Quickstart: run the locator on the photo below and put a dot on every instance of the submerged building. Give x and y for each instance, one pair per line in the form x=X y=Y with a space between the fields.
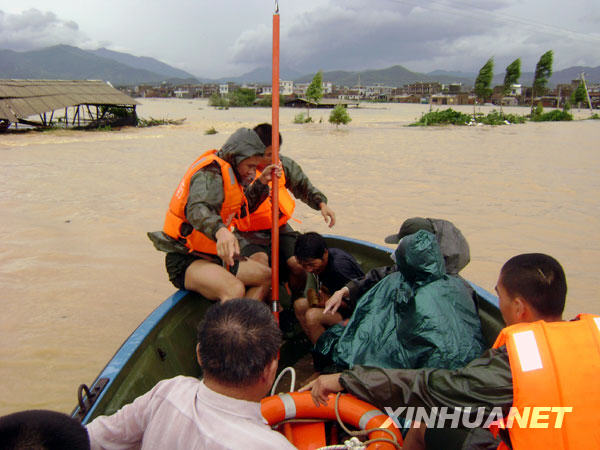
x=68 y=103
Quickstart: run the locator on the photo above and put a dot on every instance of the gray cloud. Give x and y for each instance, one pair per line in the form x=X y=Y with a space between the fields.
x=321 y=34
x=448 y=34
x=33 y=29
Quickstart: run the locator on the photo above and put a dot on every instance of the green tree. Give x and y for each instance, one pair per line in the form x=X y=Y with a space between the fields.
x=579 y=95
x=267 y=100
x=314 y=92
x=483 y=91
x=299 y=118
x=218 y=101
x=512 y=75
x=242 y=97
x=339 y=115
x=543 y=72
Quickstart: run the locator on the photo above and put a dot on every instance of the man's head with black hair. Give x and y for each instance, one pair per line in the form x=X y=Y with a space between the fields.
x=42 y=430
x=311 y=252
x=264 y=132
x=237 y=340
x=536 y=279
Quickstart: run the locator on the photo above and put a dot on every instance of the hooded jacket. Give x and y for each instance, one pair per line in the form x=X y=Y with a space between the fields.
x=206 y=194
x=416 y=317
x=454 y=248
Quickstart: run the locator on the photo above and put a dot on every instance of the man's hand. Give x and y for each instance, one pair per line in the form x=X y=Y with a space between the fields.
x=322 y=387
x=227 y=245
x=267 y=173
x=335 y=301
x=328 y=214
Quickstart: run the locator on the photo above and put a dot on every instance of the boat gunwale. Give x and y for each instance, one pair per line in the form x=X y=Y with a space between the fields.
x=129 y=347
x=123 y=355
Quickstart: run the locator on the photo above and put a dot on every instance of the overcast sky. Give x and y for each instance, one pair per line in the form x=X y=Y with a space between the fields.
x=228 y=38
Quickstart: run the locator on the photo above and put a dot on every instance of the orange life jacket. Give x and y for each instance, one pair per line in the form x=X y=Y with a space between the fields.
x=233 y=202
x=555 y=365
x=262 y=217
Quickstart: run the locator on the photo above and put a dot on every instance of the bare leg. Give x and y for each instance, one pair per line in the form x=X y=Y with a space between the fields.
x=297 y=279
x=256 y=277
x=212 y=281
x=300 y=307
x=260 y=293
x=316 y=321
x=260 y=257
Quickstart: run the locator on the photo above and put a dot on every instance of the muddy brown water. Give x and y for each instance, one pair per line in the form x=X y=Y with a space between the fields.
x=77 y=273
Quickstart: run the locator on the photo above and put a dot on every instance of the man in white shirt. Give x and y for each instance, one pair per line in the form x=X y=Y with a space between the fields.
x=238 y=343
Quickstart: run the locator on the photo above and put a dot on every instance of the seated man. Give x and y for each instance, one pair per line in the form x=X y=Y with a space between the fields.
x=453 y=244
x=417 y=316
x=331 y=268
x=538 y=360
x=203 y=254
x=42 y=430
x=255 y=237
x=454 y=247
x=238 y=344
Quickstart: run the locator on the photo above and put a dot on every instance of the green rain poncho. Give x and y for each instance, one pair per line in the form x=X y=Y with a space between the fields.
x=416 y=317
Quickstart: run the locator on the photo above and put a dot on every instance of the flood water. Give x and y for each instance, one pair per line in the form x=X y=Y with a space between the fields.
x=78 y=274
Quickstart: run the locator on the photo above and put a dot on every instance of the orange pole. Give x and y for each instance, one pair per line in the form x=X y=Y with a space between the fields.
x=275 y=160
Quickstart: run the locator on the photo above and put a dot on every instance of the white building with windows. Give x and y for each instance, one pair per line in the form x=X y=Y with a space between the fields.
x=286 y=87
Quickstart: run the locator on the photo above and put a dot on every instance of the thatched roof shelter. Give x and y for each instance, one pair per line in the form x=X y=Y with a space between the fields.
x=20 y=99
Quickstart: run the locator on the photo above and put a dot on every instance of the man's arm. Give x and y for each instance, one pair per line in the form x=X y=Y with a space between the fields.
x=203 y=212
x=301 y=187
x=299 y=184
x=125 y=428
x=206 y=197
x=258 y=191
x=486 y=382
x=359 y=286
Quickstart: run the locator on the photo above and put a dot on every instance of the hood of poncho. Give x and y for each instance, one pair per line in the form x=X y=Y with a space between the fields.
x=419 y=258
x=453 y=245
x=241 y=145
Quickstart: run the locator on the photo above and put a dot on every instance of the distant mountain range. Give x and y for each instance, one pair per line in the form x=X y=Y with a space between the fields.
x=391 y=76
x=122 y=69
x=64 y=62
x=144 y=63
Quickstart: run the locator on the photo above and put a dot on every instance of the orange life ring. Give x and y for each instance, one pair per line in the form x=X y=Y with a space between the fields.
x=362 y=415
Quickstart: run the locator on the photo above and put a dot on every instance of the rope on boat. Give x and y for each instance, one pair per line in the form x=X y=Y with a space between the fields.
x=392 y=441
x=278 y=379
x=349 y=444
x=352 y=443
